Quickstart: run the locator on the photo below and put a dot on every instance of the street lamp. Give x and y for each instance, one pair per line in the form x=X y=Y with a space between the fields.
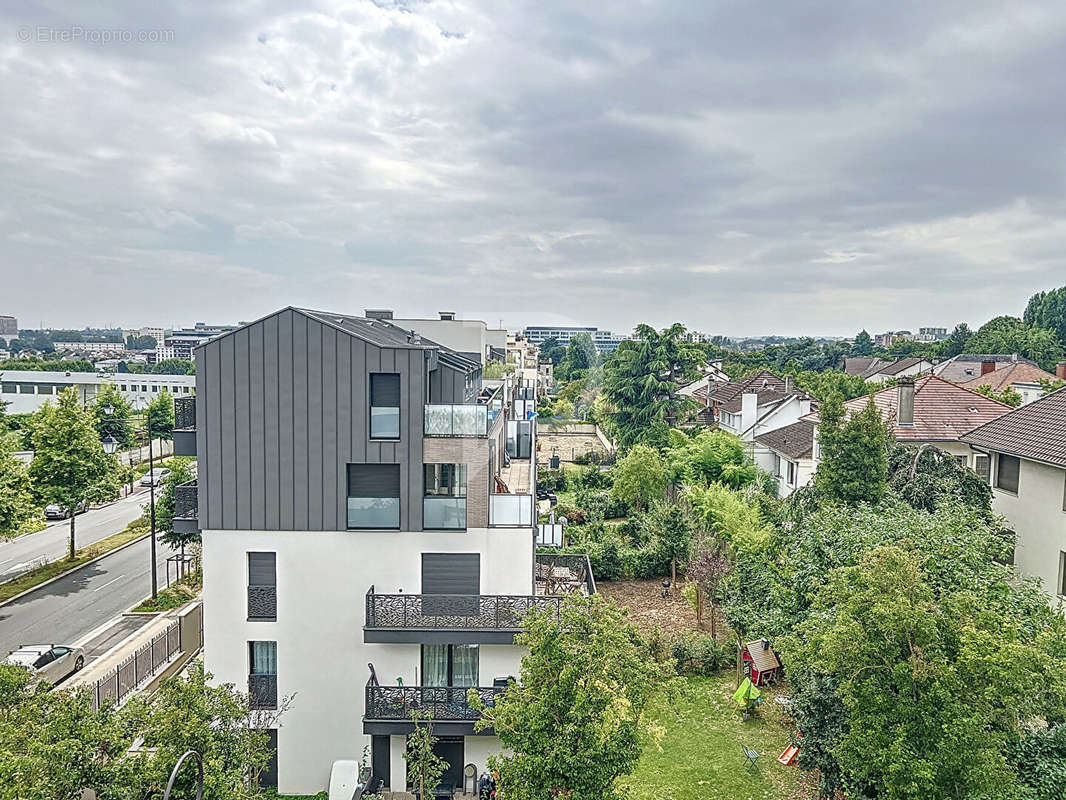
x=110 y=444
x=141 y=404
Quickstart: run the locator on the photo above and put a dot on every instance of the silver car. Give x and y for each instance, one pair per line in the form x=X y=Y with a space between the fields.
x=48 y=662
x=156 y=476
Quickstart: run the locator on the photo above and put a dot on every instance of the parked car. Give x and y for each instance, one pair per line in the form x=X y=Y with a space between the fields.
x=56 y=511
x=48 y=662
x=155 y=477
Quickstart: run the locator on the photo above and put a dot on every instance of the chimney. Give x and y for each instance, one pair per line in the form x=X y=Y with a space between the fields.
x=1060 y=371
x=988 y=366
x=446 y=316
x=765 y=644
x=788 y=384
x=905 y=405
x=378 y=313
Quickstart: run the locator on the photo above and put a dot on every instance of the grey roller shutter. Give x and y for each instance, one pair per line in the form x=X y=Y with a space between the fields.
x=373 y=480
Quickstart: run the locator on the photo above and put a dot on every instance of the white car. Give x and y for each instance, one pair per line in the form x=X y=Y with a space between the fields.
x=48 y=662
x=155 y=477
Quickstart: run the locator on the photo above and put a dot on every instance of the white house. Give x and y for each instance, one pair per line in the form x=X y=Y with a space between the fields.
x=26 y=391
x=1027 y=450
x=788 y=454
x=1025 y=378
x=878 y=370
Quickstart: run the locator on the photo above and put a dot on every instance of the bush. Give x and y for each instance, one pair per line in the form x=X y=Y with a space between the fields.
x=552 y=480
x=594 y=504
x=645 y=563
x=591 y=457
x=592 y=478
x=573 y=514
x=701 y=654
x=604 y=558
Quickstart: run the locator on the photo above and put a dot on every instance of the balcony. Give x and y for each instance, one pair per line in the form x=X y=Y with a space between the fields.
x=388 y=708
x=456 y=420
x=444 y=513
x=448 y=618
x=564 y=573
x=186 y=508
x=511 y=510
x=262 y=692
x=185 y=426
x=262 y=603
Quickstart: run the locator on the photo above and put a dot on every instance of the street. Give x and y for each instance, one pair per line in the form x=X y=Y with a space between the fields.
x=64 y=611
x=31 y=550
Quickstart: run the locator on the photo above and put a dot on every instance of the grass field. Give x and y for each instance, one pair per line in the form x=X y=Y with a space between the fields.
x=700 y=756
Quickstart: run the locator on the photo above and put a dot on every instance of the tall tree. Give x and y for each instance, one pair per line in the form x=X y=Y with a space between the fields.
x=117 y=423
x=853 y=465
x=552 y=350
x=69 y=466
x=957 y=342
x=180 y=472
x=573 y=724
x=864 y=345
x=640 y=478
x=581 y=356
x=161 y=416
x=16 y=500
x=642 y=379
x=1006 y=334
x=1048 y=310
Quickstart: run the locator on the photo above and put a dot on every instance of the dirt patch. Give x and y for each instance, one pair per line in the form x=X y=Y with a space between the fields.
x=647 y=608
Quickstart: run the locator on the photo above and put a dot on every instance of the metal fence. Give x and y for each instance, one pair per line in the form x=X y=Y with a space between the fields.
x=452 y=611
x=143 y=664
x=184 y=413
x=185 y=500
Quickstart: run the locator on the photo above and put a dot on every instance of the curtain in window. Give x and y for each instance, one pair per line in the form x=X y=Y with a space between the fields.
x=434 y=665
x=264 y=658
x=464 y=665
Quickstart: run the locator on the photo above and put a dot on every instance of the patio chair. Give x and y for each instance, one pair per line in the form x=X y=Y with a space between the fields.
x=751 y=756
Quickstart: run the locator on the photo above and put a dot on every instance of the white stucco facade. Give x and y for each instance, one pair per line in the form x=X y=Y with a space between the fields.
x=26 y=391
x=322 y=579
x=1036 y=514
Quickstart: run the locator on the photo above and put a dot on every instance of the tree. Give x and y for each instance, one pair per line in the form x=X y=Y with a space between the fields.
x=853 y=467
x=672 y=530
x=711 y=457
x=180 y=472
x=581 y=355
x=16 y=499
x=575 y=722
x=161 y=416
x=642 y=378
x=173 y=366
x=956 y=342
x=1011 y=335
x=424 y=767
x=552 y=350
x=1048 y=310
x=1008 y=396
x=864 y=345
x=927 y=478
x=932 y=683
x=69 y=466
x=708 y=565
x=116 y=424
x=640 y=477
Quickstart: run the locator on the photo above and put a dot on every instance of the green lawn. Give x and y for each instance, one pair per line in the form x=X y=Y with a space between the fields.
x=700 y=756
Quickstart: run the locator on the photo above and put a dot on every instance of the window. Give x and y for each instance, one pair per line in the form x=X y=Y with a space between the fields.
x=262 y=587
x=963 y=461
x=451 y=584
x=981 y=467
x=8 y=388
x=155 y=387
x=453 y=665
x=791 y=473
x=444 y=502
x=144 y=387
x=26 y=388
x=1062 y=573
x=777 y=465
x=374 y=496
x=1064 y=494
x=122 y=387
x=46 y=389
x=263 y=675
x=1007 y=469
x=384 y=405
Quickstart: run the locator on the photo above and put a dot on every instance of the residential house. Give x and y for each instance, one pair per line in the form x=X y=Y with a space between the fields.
x=967 y=366
x=1027 y=452
x=878 y=370
x=789 y=455
x=757 y=404
x=359 y=507
x=1022 y=376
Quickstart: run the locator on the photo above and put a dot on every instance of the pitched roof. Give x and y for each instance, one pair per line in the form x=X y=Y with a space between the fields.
x=794 y=441
x=966 y=366
x=899 y=366
x=1020 y=372
x=763 y=379
x=943 y=411
x=762 y=659
x=860 y=365
x=1036 y=431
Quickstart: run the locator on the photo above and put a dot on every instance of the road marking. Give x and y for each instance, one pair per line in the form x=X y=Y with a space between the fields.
x=98 y=588
x=4 y=562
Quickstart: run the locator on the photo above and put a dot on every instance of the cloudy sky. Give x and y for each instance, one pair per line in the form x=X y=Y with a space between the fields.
x=745 y=167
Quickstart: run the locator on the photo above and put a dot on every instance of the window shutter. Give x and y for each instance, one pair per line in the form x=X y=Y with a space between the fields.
x=373 y=480
x=451 y=573
x=262 y=569
x=385 y=390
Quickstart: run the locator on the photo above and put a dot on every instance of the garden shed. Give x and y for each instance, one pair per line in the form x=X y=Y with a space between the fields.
x=760 y=662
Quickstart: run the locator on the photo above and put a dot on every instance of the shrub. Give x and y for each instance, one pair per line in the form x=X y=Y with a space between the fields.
x=605 y=560
x=594 y=504
x=591 y=457
x=573 y=514
x=592 y=478
x=552 y=480
x=700 y=654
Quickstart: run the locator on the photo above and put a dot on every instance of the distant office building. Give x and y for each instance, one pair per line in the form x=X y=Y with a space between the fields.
x=180 y=343
x=159 y=334
x=889 y=338
x=931 y=334
x=26 y=391
x=605 y=341
x=91 y=348
x=9 y=329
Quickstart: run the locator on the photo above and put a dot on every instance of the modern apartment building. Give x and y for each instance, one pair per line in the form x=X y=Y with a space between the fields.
x=25 y=391
x=605 y=341
x=471 y=337
x=368 y=537
x=9 y=329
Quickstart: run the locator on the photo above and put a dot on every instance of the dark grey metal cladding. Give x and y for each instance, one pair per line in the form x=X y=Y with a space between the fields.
x=283 y=409
x=184 y=442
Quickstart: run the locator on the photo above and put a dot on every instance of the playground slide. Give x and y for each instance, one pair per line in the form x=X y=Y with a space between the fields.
x=789 y=755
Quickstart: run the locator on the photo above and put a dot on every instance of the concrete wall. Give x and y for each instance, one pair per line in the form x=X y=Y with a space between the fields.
x=322 y=580
x=1036 y=515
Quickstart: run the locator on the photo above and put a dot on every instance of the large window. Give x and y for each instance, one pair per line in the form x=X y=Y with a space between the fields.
x=384 y=405
x=1007 y=469
x=262 y=587
x=444 y=504
x=450 y=665
x=374 y=496
x=263 y=674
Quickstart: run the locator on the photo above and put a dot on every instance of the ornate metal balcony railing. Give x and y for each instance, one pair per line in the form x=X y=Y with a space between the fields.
x=445 y=703
x=564 y=573
x=185 y=502
x=184 y=413
x=491 y=612
x=262 y=692
x=262 y=602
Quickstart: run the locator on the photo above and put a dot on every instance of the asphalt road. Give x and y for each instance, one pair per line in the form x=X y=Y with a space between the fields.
x=25 y=552
x=65 y=611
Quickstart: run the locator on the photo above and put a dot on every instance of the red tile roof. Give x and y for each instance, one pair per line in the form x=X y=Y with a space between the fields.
x=1020 y=372
x=1036 y=431
x=943 y=411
